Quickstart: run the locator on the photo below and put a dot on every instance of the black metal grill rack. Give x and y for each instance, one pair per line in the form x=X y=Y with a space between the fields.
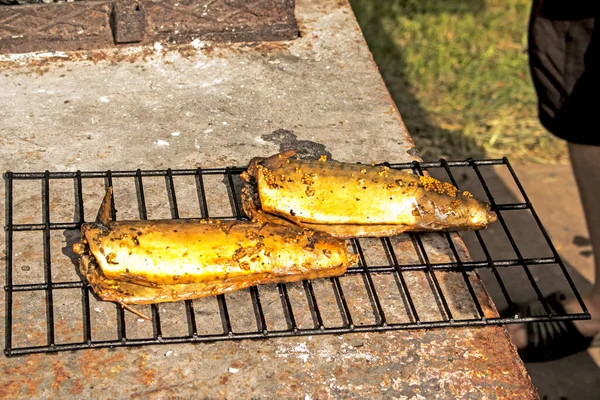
x=85 y=337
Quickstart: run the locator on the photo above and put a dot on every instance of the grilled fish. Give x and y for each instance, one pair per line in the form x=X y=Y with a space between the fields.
x=353 y=200
x=153 y=261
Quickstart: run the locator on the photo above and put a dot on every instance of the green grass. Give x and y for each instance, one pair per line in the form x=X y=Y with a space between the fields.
x=457 y=69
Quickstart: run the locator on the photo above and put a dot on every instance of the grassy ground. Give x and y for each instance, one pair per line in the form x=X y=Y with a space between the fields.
x=458 y=72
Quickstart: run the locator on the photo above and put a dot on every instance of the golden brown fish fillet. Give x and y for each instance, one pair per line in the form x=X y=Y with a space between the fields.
x=153 y=261
x=353 y=200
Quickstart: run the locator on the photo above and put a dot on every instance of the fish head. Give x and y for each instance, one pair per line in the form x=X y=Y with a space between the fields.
x=453 y=213
x=479 y=214
x=468 y=213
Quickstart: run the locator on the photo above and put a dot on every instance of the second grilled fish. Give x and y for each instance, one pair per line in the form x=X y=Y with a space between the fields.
x=354 y=200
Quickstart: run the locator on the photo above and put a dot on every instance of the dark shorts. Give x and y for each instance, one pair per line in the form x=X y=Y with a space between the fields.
x=563 y=53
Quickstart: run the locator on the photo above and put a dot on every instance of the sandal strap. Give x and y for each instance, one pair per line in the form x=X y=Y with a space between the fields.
x=549 y=340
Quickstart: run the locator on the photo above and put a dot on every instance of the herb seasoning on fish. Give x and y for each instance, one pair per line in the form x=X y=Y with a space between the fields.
x=173 y=260
x=385 y=202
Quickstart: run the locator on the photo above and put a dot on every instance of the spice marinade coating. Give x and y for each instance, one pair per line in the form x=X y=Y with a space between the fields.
x=351 y=200
x=153 y=261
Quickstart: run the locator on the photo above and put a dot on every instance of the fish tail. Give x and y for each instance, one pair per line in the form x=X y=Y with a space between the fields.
x=103 y=216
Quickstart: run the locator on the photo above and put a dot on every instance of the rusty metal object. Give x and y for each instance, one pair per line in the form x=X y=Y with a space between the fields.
x=84 y=25
x=239 y=20
x=60 y=26
x=128 y=22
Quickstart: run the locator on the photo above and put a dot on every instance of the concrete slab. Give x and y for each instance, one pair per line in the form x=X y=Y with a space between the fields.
x=226 y=102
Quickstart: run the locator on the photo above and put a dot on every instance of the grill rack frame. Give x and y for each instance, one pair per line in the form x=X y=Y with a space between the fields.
x=262 y=332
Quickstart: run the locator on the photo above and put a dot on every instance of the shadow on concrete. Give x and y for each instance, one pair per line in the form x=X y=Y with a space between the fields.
x=575 y=377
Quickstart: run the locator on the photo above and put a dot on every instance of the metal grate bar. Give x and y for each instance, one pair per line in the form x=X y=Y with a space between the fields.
x=79 y=195
x=345 y=310
x=417 y=167
x=85 y=291
x=469 y=266
x=237 y=209
x=287 y=307
x=122 y=174
x=47 y=258
x=312 y=303
x=486 y=252
x=370 y=289
x=8 y=291
x=156 y=328
x=204 y=208
x=513 y=244
x=258 y=310
x=121 y=327
x=140 y=195
x=234 y=170
x=546 y=236
x=87 y=321
x=224 y=314
x=462 y=269
x=201 y=193
x=438 y=289
x=413 y=310
x=512 y=206
x=278 y=334
x=44 y=286
x=379 y=314
x=492 y=265
x=189 y=307
x=40 y=227
x=191 y=315
x=465 y=276
x=204 y=211
x=109 y=183
x=171 y=194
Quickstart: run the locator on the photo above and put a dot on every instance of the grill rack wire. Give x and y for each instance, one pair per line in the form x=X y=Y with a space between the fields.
x=51 y=288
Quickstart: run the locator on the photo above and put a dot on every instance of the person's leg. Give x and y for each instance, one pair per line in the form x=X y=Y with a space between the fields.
x=585 y=160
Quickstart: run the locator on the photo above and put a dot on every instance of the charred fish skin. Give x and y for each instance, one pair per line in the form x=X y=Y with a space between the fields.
x=350 y=200
x=153 y=261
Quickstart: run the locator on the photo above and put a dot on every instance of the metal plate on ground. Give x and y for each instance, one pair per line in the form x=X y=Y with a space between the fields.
x=84 y=25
